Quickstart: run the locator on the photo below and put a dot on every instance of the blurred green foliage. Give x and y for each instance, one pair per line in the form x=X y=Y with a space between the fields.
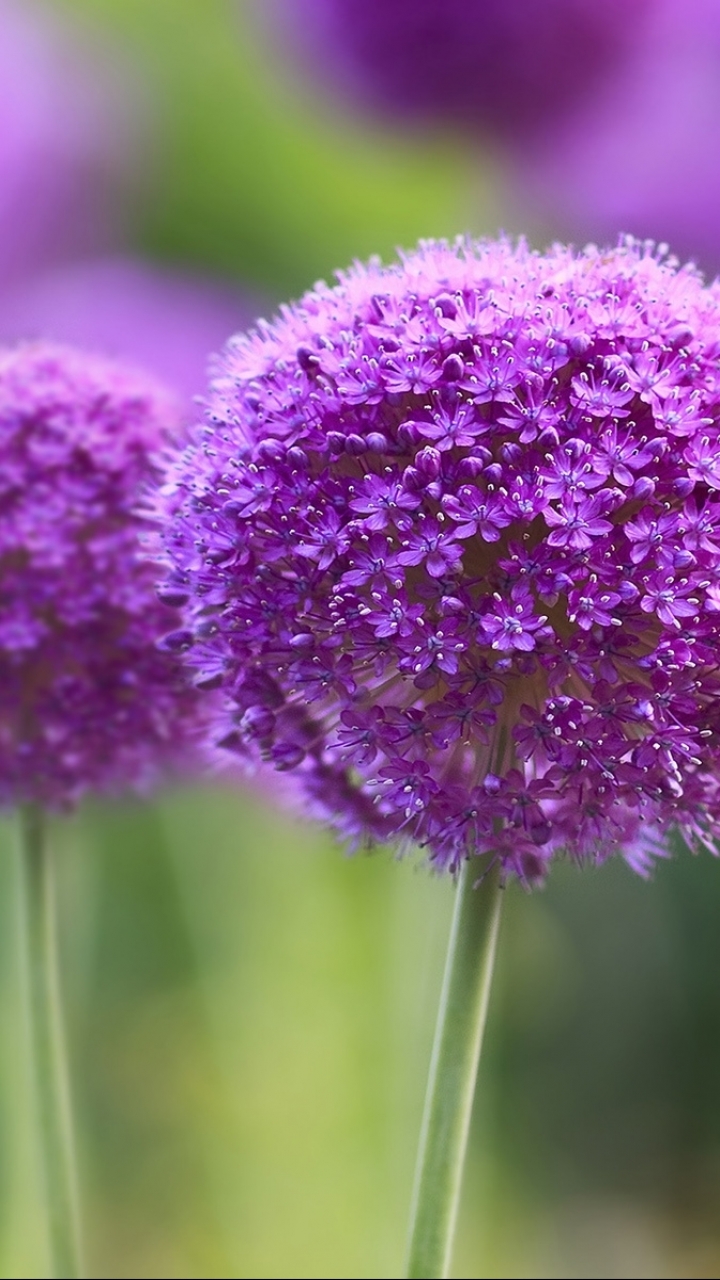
x=249 y=1034
x=250 y=175
x=249 y=1012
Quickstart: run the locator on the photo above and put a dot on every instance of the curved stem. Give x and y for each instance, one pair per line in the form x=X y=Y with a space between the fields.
x=453 y=1069
x=52 y=1102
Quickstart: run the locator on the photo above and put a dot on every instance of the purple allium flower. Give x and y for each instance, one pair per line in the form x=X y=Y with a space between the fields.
x=88 y=701
x=65 y=126
x=505 y=66
x=508 y=646
x=123 y=307
x=641 y=153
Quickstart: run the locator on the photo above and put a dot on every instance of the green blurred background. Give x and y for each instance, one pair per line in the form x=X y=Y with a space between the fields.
x=249 y=1011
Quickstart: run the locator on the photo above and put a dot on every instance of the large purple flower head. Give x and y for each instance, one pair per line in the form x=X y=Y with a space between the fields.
x=503 y=65
x=449 y=542
x=87 y=699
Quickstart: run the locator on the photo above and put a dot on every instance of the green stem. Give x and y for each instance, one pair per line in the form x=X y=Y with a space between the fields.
x=453 y=1068
x=52 y=1102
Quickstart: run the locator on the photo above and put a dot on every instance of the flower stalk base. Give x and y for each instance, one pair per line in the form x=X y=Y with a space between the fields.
x=453 y=1070
x=51 y=1093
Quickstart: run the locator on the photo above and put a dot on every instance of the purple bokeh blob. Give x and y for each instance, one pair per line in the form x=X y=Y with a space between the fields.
x=165 y=321
x=643 y=155
x=505 y=66
x=66 y=135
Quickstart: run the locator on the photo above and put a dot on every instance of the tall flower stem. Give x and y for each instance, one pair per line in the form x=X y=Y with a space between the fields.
x=453 y=1069
x=51 y=1093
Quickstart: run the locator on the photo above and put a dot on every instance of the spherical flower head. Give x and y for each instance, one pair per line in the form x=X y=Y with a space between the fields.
x=449 y=543
x=88 y=701
x=505 y=66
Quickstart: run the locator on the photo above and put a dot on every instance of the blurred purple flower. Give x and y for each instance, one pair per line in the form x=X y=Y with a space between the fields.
x=165 y=321
x=65 y=124
x=506 y=66
x=88 y=701
x=642 y=155
x=572 y=637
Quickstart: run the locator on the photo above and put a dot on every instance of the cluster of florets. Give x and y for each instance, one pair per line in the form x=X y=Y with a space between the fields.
x=507 y=66
x=449 y=542
x=87 y=700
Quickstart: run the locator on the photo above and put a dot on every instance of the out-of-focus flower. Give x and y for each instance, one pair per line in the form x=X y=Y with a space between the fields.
x=448 y=544
x=87 y=699
x=65 y=125
x=506 y=66
x=165 y=321
x=642 y=155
